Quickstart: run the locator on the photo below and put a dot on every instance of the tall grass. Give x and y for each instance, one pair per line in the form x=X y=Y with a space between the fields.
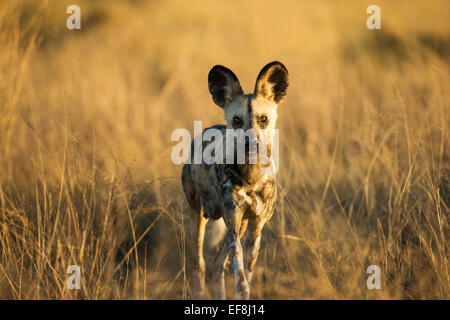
x=86 y=117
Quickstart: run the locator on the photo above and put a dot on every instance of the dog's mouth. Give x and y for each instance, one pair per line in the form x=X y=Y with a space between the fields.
x=251 y=148
x=257 y=153
x=248 y=150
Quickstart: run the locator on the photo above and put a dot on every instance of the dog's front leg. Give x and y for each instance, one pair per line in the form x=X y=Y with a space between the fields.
x=251 y=246
x=233 y=219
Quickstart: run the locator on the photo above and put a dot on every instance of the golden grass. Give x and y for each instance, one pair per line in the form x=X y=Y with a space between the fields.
x=85 y=124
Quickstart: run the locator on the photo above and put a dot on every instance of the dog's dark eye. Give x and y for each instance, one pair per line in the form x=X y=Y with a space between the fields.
x=237 y=120
x=263 y=119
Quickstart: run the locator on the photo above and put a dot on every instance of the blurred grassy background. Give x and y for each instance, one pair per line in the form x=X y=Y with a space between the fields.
x=85 y=123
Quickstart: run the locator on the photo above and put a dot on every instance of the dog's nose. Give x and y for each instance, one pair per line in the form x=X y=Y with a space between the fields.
x=247 y=141
x=250 y=144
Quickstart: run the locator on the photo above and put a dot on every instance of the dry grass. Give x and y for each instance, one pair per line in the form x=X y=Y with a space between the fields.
x=85 y=124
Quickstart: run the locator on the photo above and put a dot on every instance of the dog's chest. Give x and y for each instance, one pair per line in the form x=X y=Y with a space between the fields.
x=222 y=190
x=254 y=199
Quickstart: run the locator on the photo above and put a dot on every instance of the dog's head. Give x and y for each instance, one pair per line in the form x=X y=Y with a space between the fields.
x=255 y=113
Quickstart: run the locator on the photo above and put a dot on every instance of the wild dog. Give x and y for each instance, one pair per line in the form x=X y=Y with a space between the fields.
x=240 y=193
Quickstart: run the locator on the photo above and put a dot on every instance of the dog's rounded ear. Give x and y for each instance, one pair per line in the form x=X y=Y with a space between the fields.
x=272 y=82
x=223 y=85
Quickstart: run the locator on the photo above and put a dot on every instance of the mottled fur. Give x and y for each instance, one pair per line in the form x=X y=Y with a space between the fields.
x=238 y=193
